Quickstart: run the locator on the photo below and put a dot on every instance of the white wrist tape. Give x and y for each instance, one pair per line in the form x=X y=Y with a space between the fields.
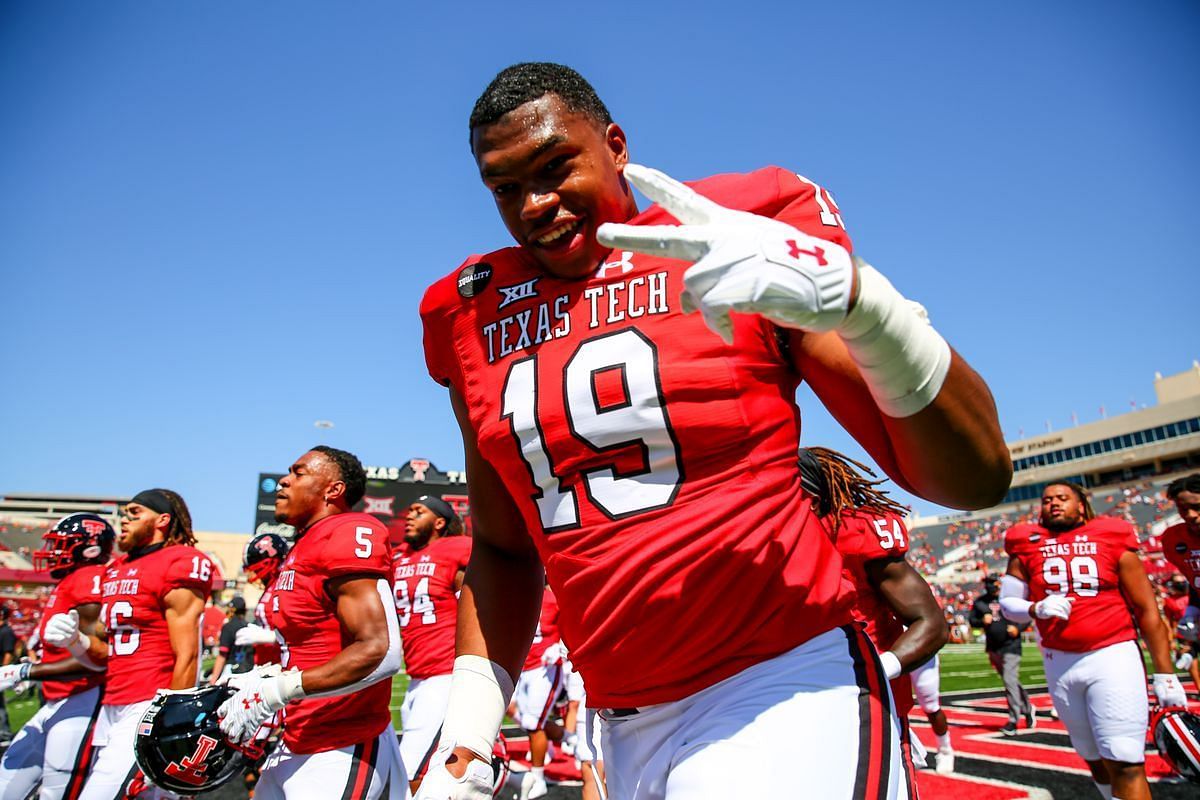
x=1013 y=604
x=902 y=358
x=479 y=693
x=79 y=648
x=891 y=665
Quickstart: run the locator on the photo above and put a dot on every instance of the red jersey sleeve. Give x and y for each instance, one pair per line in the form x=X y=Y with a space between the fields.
x=1120 y=532
x=461 y=552
x=868 y=536
x=439 y=301
x=189 y=569
x=809 y=207
x=86 y=586
x=358 y=544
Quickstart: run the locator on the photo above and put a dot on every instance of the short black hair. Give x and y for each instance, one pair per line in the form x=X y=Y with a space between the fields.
x=519 y=84
x=350 y=469
x=1188 y=483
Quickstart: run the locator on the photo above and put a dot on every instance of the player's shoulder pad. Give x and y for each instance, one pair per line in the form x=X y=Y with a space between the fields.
x=1173 y=532
x=469 y=280
x=1023 y=533
x=456 y=547
x=1111 y=526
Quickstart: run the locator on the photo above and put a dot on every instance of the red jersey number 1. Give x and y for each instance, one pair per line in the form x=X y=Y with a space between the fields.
x=639 y=419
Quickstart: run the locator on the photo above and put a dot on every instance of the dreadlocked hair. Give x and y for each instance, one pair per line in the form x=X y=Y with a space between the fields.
x=848 y=489
x=180 y=529
x=1081 y=494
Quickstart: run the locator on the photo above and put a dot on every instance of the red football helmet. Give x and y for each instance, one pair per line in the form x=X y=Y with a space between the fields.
x=75 y=540
x=264 y=553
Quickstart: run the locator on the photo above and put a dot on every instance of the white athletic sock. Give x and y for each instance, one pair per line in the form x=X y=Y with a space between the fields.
x=539 y=773
x=1105 y=790
x=943 y=741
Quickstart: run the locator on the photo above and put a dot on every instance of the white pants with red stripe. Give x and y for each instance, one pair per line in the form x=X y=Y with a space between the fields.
x=535 y=694
x=815 y=721
x=52 y=747
x=422 y=713
x=114 y=767
x=1100 y=697
x=367 y=771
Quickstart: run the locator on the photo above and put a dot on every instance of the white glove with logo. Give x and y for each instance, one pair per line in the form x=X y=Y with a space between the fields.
x=1169 y=691
x=254 y=634
x=13 y=674
x=439 y=784
x=1055 y=605
x=260 y=694
x=62 y=630
x=1184 y=662
x=743 y=262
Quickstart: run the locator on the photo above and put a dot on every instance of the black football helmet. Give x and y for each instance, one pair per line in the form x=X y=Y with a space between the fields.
x=264 y=553
x=1188 y=630
x=75 y=540
x=179 y=745
x=1177 y=734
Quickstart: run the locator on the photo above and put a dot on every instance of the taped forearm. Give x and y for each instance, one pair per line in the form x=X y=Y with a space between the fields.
x=1013 y=602
x=903 y=360
x=479 y=693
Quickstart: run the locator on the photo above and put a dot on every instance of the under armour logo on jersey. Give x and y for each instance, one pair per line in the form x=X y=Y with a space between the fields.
x=794 y=250
x=625 y=263
x=520 y=291
x=379 y=505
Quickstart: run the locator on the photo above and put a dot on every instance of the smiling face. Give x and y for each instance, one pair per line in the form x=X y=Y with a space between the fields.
x=555 y=175
x=1061 y=508
x=1188 y=506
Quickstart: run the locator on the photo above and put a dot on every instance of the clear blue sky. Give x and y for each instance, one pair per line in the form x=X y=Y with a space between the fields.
x=217 y=219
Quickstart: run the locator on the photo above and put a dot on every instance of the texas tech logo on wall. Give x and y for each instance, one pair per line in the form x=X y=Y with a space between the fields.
x=390 y=491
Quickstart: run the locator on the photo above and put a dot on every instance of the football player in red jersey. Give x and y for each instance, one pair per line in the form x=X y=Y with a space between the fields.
x=152 y=597
x=54 y=746
x=651 y=466
x=333 y=609
x=1079 y=576
x=1181 y=541
x=429 y=567
x=261 y=562
x=902 y=617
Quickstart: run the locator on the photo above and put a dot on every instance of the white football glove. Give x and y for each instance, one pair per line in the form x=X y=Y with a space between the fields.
x=1055 y=605
x=13 y=674
x=258 y=697
x=62 y=630
x=743 y=262
x=439 y=784
x=254 y=634
x=1184 y=662
x=1169 y=691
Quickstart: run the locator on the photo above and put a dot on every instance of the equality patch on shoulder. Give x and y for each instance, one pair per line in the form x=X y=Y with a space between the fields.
x=473 y=278
x=1033 y=537
x=1180 y=547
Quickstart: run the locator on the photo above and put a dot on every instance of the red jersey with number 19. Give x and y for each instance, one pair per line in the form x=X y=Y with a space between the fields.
x=1081 y=563
x=342 y=545
x=864 y=536
x=654 y=465
x=134 y=588
x=427 y=603
x=78 y=588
